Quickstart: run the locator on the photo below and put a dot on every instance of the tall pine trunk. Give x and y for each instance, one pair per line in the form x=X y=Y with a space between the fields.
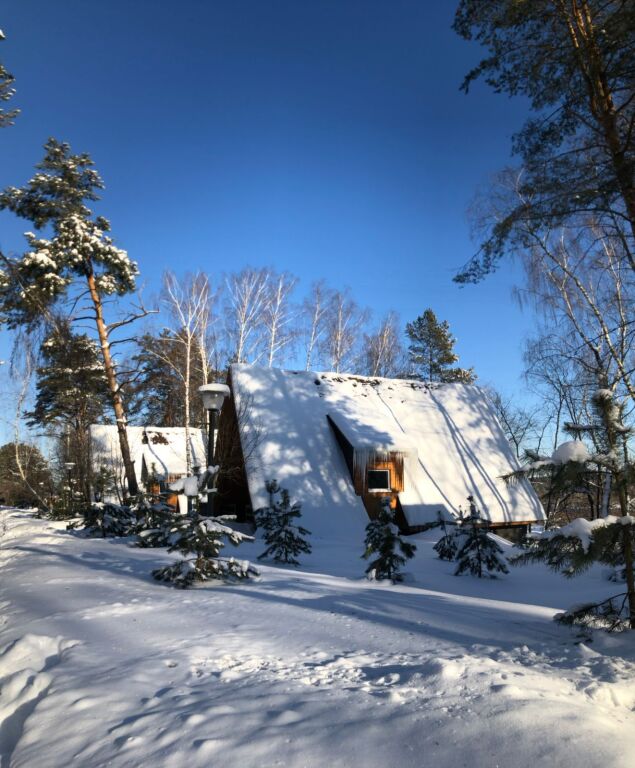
x=113 y=387
x=620 y=482
x=583 y=37
x=627 y=550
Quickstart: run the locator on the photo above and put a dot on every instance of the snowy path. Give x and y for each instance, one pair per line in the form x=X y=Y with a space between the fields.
x=100 y=666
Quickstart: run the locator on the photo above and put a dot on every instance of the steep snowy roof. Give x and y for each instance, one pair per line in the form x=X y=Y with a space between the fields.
x=453 y=444
x=163 y=447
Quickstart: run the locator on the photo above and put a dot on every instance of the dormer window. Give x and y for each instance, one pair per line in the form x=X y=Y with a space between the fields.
x=378 y=480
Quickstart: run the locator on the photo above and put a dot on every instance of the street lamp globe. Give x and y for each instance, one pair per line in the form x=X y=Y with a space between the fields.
x=213 y=396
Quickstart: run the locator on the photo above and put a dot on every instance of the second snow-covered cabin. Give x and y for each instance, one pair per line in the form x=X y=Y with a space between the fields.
x=339 y=443
x=159 y=454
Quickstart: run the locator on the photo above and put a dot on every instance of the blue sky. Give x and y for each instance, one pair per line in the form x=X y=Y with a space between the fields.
x=326 y=137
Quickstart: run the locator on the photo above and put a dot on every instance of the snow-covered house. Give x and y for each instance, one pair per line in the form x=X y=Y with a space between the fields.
x=158 y=453
x=340 y=442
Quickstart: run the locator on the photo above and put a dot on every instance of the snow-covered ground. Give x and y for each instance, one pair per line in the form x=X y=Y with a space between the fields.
x=102 y=666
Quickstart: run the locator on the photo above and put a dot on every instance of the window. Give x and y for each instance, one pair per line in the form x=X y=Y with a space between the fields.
x=378 y=479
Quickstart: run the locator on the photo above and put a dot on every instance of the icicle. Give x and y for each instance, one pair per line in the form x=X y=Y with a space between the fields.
x=369 y=458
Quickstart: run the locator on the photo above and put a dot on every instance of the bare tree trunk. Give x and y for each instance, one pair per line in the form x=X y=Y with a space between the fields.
x=247 y=301
x=277 y=316
x=344 y=323
x=186 y=406
x=606 y=495
x=113 y=387
x=383 y=349
x=188 y=302
x=315 y=308
x=22 y=393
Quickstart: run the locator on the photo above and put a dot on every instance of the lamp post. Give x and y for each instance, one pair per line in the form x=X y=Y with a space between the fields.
x=69 y=468
x=213 y=396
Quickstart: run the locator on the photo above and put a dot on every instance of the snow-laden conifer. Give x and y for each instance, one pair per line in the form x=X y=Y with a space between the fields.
x=7 y=92
x=157 y=523
x=106 y=519
x=386 y=546
x=573 y=549
x=285 y=539
x=478 y=553
x=200 y=541
x=609 y=540
x=431 y=351
x=78 y=258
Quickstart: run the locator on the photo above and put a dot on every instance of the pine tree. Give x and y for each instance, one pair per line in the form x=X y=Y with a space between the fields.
x=478 y=553
x=157 y=524
x=80 y=257
x=285 y=540
x=574 y=62
x=386 y=546
x=431 y=351
x=200 y=541
x=71 y=394
x=448 y=545
x=610 y=540
x=7 y=92
x=157 y=393
x=576 y=547
x=152 y=523
x=70 y=386
x=105 y=520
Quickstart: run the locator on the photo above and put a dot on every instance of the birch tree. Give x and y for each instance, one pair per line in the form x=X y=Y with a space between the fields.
x=247 y=297
x=279 y=316
x=20 y=472
x=584 y=288
x=523 y=428
x=383 y=351
x=313 y=313
x=344 y=323
x=187 y=304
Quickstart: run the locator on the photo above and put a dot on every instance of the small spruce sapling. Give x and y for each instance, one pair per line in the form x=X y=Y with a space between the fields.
x=479 y=553
x=284 y=538
x=158 y=523
x=448 y=545
x=384 y=543
x=106 y=519
x=154 y=523
x=200 y=541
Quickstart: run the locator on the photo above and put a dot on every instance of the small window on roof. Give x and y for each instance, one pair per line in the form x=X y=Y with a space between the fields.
x=378 y=480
